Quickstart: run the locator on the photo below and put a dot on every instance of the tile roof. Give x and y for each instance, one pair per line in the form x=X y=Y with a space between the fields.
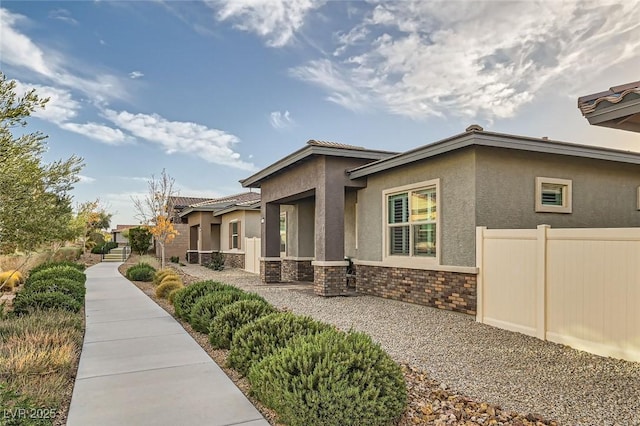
x=181 y=202
x=243 y=197
x=328 y=144
x=614 y=95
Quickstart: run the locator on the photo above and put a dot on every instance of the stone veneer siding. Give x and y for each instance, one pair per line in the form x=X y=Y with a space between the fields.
x=296 y=270
x=330 y=280
x=234 y=260
x=452 y=291
x=270 y=271
x=193 y=257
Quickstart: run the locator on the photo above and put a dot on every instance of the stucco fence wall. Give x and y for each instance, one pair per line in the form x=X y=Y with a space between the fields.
x=579 y=287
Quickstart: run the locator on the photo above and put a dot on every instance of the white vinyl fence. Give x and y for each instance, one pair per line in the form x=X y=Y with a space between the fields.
x=252 y=255
x=579 y=287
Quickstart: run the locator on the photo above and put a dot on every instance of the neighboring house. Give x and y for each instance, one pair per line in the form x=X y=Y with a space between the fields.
x=407 y=222
x=180 y=244
x=618 y=107
x=221 y=225
x=117 y=237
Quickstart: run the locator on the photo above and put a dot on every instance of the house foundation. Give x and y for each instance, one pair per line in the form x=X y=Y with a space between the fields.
x=234 y=260
x=453 y=291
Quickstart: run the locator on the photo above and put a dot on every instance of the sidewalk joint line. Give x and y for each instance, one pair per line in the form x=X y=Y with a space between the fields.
x=124 y=373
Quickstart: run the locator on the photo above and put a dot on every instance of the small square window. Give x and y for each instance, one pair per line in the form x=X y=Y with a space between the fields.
x=553 y=195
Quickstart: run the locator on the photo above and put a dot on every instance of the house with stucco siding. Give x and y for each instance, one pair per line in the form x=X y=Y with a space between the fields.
x=405 y=223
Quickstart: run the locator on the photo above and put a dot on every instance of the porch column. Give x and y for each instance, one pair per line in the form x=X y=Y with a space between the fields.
x=270 y=260
x=329 y=268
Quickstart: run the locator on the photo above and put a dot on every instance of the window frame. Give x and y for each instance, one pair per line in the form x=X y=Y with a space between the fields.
x=283 y=215
x=411 y=259
x=235 y=246
x=567 y=195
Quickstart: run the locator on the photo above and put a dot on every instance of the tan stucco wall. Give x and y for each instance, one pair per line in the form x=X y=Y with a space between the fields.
x=204 y=220
x=249 y=227
x=455 y=207
x=604 y=192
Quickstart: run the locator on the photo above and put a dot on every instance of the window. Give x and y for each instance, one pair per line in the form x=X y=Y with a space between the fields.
x=234 y=235
x=412 y=221
x=283 y=234
x=553 y=195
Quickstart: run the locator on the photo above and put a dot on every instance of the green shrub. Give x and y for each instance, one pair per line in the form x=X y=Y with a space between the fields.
x=173 y=293
x=256 y=340
x=140 y=239
x=174 y=259
x=184 y=300
x=331 y=378
x=207 y=307
x=28 y=301
x=167 y=287
x=47 y=265
x=59 y=272
x=62 y=285
x=104 y=248
x=216 y=263
x=141 y=272
x=232 y=317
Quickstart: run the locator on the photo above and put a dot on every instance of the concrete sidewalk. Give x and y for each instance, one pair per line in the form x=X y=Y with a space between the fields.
x=140 y=367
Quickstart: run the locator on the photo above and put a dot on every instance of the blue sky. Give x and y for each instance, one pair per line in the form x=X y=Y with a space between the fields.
x=214 y=91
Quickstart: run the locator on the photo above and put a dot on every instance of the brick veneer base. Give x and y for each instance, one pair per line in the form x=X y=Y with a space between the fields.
x=234 y=260
x=296 y=270
x=270 y=271
x=330 y=280
x=453 y=291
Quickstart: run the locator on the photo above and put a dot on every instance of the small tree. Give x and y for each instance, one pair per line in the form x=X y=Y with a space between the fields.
x=139 y=239
x=91 y=217
x=35 y=200
x=155 y=208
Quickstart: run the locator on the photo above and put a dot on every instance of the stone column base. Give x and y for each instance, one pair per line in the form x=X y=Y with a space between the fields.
x=193 y=257
x=297 y=270
x=270 y=270
x=330 y=278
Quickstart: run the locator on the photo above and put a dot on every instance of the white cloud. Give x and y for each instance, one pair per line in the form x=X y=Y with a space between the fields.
x=275 y=20
x=98 y=131
x=474 y=59
x=212 y=145
x=86 y=179
x=61 y=106
x=63 y=15
x=20 y=51
x=280 y=120
x=135 y=74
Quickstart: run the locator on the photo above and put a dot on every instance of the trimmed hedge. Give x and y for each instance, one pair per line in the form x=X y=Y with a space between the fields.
x=184 y=300
x=47 y=265
x=232 y=317
x=28 y=301
x=261 y=338
x=331 y=378
x=207 y=307
x=104 y=248
x=141 y=272
x=62 y=285
x=167 y=287
x=68 y=272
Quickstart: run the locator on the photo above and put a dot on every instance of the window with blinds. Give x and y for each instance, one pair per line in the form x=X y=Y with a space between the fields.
x=553 y=195
x=411 y=222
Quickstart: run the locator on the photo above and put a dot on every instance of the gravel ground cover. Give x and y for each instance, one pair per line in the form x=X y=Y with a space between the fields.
x=470 y=364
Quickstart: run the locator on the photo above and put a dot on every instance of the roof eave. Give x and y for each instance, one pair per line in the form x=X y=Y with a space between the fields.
x=255 y=180
x=496 y=140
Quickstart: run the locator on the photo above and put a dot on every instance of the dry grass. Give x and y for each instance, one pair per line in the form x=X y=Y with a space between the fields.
x=39 y=355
